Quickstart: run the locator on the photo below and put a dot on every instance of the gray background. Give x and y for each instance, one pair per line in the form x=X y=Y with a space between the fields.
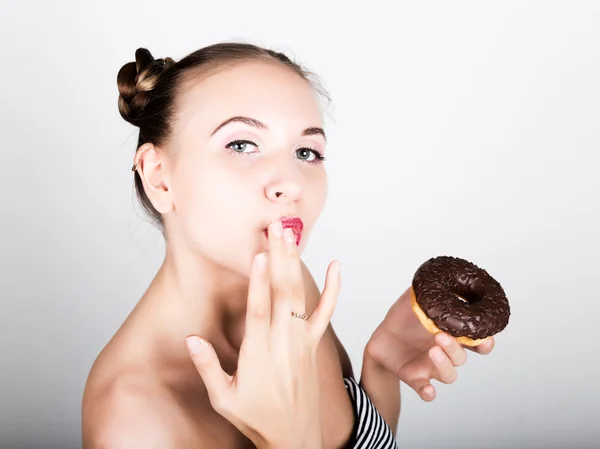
x=463 y=128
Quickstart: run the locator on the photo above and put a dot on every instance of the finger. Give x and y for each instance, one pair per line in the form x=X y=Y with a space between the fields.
x=281 y=287
x=423 y=388
x=455 y=352
x=207 y=363
x=446 y=373
x=483 y=348
x=298 y=298
x=322 y=314
x=258 y=312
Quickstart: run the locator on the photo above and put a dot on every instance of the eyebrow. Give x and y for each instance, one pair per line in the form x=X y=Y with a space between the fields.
x=312 y=131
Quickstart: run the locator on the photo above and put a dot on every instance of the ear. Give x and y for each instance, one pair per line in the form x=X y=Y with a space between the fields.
x=150 y=164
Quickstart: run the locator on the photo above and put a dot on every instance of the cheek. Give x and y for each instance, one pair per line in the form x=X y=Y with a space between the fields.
x=317 y=194
x=314 y=199
x=209 y=200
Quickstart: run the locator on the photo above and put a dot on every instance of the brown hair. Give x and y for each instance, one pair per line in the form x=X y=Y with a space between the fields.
x=148 y=89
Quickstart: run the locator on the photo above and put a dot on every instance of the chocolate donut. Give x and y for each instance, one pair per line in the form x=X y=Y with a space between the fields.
x=457 y=297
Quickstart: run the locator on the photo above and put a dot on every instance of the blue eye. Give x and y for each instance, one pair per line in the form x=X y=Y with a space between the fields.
x=308 y=155
x=305 y=154
x=238 y=146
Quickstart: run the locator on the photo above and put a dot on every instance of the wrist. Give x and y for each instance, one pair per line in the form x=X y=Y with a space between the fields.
x=374 y=370
x=311 y=438
x=309 y=442
x=377 y=357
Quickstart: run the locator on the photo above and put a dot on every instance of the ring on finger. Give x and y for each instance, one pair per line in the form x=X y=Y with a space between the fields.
x=302 y=316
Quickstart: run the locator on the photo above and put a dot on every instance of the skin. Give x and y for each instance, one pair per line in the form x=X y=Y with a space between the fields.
x=402 y=349
x=144 y=389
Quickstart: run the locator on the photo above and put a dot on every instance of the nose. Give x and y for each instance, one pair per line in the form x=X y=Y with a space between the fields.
x=285 y=185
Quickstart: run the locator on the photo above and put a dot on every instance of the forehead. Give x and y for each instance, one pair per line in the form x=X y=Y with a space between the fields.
x=269 y=92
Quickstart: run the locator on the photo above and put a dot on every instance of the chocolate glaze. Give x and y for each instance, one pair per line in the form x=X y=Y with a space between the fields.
x=437 y=282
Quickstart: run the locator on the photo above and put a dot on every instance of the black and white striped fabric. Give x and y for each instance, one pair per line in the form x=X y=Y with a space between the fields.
x=370 y=430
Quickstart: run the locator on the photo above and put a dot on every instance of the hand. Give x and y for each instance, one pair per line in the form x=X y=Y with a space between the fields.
x=273 y=397
x=402 y=346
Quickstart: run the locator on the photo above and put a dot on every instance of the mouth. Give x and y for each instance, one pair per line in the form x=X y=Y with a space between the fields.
x=294 y=223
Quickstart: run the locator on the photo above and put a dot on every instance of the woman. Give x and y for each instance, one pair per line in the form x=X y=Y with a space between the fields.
x=230 y=164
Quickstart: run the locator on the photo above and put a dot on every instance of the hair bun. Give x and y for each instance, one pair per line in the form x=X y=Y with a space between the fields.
x=136 y=81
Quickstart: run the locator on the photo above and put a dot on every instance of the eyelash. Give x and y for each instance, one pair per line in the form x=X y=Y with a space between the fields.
x=319 y=158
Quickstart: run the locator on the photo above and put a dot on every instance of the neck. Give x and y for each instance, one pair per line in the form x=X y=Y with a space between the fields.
x=193 y=295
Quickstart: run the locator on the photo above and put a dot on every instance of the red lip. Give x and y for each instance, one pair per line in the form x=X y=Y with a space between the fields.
x=294 y=223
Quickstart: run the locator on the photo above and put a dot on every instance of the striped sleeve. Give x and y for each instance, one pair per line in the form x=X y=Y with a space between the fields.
x=370 y=429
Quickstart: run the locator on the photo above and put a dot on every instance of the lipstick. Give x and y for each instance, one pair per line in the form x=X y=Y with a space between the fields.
x=294 y=223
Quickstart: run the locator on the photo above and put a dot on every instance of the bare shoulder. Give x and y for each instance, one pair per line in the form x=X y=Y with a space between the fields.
x=129 y=412
x=131 y=406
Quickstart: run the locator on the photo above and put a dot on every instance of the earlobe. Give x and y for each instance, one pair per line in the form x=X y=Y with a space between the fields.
x=149 y=163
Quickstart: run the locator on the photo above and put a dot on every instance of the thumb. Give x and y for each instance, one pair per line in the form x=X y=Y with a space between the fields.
x=423 y=388
x=207 y=363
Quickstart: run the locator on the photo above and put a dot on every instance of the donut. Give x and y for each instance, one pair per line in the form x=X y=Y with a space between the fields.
x=455 y=296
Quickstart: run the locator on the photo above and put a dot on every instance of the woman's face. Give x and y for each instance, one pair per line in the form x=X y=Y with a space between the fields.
x=245 y=150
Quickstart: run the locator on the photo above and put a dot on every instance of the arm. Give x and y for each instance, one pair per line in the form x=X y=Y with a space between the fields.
x=382 y=387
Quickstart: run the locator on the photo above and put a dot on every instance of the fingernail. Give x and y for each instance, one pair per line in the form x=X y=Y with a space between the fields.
x=260 y=262
x=445 y=340
x=277 y=228
x=289 y=235
x=429 y=391
x=195 y=344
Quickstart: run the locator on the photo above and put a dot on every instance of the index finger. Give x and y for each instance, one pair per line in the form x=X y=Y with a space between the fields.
x=258 y=313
